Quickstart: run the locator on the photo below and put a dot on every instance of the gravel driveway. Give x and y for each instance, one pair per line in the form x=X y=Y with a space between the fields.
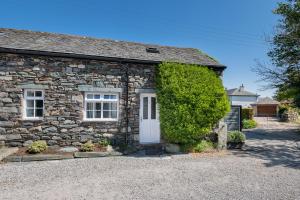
x=256 y=173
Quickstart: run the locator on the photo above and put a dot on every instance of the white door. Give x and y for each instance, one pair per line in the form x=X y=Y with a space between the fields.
x=149 y=119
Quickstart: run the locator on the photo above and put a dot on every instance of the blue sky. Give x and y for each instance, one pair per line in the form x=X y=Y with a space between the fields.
x=232 y=31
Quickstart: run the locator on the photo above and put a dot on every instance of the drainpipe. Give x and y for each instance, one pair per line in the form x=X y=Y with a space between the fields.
x=126 y=101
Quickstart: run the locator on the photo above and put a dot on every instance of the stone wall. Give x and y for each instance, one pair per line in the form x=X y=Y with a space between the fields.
x=290 y=116
x=63 y=122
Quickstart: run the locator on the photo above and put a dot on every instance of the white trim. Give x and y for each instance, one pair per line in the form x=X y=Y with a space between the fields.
x=101 y=100
x=89 y=88
x=154 y=128
x=24 y=117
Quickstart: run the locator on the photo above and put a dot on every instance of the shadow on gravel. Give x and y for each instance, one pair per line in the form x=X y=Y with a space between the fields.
x=278 y=156
x=276 y=147
x=273 y=134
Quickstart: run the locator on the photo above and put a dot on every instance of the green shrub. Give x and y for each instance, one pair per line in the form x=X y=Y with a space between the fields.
x=249 y=123
x=297 y=101
x=37 y=146
x=236 y=137
x=88 y=146
x=192 y=100
x=247 y=113
x=203 y=146
x=104 y=142
x=282 y=109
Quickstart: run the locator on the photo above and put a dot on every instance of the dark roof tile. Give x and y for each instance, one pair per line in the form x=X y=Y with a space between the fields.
x=79 y=45
x=238 y=92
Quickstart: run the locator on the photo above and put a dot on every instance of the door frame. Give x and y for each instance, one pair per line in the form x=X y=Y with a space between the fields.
x=142 y=95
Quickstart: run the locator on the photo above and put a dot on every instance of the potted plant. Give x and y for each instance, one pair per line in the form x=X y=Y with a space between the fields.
x=235 y=140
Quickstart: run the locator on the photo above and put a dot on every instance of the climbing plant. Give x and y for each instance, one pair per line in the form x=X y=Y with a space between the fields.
x=192 y=100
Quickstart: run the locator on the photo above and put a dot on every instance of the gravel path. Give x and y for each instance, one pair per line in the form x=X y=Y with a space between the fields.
x=277 y=143
x=252 y=174
x=185 y=177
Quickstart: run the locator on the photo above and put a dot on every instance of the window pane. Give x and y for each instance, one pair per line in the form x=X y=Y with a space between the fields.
x=38 y=93
x=29 y=103
x=30 y=93
x=39 y=103
x=97 y=114
x=89 y=96
x=98 y=106
x=153 y=108
x=97 y=96
x=89 y=106
x=89 y=114
x=110 y=96
x=114 y=106
x=113 y=114
x=39 y=112
x=106 y=114
x=29 y=112
x=106 y=106
x=145 y=108
x=110 y=106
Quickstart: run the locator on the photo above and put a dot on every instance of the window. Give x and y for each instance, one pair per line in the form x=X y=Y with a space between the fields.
x=145 y=108
x=34 y=104
x=153 y=108
x=102 y=107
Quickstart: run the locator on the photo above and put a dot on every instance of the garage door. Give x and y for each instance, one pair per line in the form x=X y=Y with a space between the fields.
x=267 y=110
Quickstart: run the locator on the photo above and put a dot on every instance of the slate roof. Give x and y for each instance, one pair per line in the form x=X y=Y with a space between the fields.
x=238 y=92
x=78 y=45
x=267 y=100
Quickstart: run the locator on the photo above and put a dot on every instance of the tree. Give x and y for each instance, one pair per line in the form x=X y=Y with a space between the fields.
x=284 y=74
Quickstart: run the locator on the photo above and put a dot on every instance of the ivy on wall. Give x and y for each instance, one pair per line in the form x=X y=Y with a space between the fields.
x=192 y=100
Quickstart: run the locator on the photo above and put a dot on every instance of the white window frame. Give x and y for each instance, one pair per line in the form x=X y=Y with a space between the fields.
x=33 y=98
x=101 y=100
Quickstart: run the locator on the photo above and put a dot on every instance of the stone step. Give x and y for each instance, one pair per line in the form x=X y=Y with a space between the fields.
x=153 y=149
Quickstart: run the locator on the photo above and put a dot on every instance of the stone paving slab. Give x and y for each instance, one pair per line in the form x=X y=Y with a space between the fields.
x=13 y=159
x=43 y=157
x=40 y=157
x=95 y=154
x=4 y=152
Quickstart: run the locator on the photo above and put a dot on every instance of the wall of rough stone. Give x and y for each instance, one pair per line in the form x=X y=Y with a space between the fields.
x=63 y=115
x=290 y=116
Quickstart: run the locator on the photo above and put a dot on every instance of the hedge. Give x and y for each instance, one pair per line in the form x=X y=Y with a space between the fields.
x=249 y=123
x=191 y=99
x=247 y=113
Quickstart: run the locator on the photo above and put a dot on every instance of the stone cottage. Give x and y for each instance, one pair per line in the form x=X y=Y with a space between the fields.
x=68 y=89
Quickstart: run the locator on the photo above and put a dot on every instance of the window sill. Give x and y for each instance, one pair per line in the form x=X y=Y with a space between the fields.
x=33 y=119
x=100 y=120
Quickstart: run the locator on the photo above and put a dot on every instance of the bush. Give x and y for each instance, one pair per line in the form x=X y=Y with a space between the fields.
x=37 y=147
x=192 y=100
x=282 y=109
x=247 y=113
x=236 y=137
x=203 y=146
x=88 y=146
x=297 y=100
x=104 y=142
x=249 y=123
